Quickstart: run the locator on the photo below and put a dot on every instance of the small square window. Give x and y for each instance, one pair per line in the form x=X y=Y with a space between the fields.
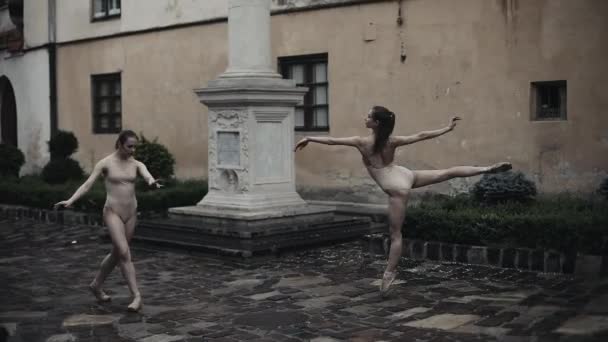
x=106 y=103
x=105 y=9
x=549 y=100
x=309 y=71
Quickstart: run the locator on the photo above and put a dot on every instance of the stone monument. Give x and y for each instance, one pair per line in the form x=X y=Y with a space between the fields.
x=252 y=204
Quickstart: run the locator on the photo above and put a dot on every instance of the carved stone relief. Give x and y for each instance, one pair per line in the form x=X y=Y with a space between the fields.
x=237 y=177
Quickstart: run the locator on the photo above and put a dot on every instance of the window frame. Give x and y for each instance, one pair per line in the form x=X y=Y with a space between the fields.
x=536 y=90
x=308 y=106
x=106 y=10
x=95 y=99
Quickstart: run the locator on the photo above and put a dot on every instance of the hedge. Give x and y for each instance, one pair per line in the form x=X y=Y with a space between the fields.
x=33 y=192
x=563 y=223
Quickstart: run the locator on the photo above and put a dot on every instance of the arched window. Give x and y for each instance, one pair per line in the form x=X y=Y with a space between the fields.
x=8 y=113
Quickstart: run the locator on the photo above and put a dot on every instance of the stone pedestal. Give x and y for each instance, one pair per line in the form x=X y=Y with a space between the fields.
x=252 y=204
x=251 y=122
x=250 y=150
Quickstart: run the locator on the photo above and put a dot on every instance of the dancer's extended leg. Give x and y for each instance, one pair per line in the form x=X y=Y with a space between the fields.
x=428 y=177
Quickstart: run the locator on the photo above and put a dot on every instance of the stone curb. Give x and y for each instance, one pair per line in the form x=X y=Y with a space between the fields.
x=525 y=259
x=587 y=266
x=50 y=216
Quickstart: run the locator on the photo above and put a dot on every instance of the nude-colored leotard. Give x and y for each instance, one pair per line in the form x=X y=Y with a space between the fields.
x=389 y=177
x=120 y=189
x=392 y=177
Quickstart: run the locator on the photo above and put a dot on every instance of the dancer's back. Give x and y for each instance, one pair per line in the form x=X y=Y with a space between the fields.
x=373 y=159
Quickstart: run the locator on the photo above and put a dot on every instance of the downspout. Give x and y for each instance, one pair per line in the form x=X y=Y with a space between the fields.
x=52 y=49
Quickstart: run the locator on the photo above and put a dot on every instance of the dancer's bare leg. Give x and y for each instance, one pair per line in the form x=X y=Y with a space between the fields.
x=396 y=215
x=137 y=302
x=108 y=264
x=118 y=235
x=428 y=177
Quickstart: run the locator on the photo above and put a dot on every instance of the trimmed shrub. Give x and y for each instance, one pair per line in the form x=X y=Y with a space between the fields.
x=62 y=145
x=34 y=192
x=156 y=157
x=603 y=190
x=11 y=160
x=562 y=223
x=504 y=187
x=60 y=170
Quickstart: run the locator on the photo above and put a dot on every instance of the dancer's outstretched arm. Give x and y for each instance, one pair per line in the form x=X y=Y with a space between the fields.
x=84 y=188
x=424 y=135
x=143 y=171
x=350 y=141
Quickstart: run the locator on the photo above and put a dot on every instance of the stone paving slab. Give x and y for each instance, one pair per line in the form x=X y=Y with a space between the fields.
x=324 y=294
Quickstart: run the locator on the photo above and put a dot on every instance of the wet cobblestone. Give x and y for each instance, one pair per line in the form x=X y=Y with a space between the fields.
x=323 y=294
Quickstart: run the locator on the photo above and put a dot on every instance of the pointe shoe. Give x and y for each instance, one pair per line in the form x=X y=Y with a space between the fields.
x=135 y=305
x=101 y=296
x=387 y=280
x=500 y=167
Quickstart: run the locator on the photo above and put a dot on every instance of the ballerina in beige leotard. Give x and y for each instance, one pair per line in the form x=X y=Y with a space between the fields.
x=378 y=153
x=119 y=170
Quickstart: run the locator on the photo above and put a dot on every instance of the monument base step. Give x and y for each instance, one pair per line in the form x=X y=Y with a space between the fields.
x=209 y=235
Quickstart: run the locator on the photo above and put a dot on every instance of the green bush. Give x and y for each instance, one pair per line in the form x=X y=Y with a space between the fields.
x=34 y=192
x=61 y=170
x=603 y=190
x=62 y=145
x=564 y=223
x=504 y=187
x=156 y=157
x=11 y=160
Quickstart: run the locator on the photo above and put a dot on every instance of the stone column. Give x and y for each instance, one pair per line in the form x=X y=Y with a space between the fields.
x=251 y=121
x=249 y=52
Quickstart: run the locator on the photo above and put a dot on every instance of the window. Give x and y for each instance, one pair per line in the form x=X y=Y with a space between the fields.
x=104 y=9
x=309 y=71
x=549 y=100
x=107 y=112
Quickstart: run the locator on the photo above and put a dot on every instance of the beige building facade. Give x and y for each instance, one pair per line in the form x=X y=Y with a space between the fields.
x=527 y=78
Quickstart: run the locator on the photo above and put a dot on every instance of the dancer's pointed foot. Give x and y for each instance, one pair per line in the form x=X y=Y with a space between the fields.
x=136 y=304
x=99 y=293
x=500 y=167
x=387 y=280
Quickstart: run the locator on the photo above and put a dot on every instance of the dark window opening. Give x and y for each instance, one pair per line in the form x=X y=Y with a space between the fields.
x=549 y=100
x=105 y=9
x=312 y=114
x=107 y=103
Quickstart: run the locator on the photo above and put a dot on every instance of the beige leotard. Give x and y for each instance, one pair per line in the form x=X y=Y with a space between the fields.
x=390 y=177
x=119 y=179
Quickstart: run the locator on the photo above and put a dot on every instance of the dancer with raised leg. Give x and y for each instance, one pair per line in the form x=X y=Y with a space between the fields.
x=378 y=153
x=119 y=170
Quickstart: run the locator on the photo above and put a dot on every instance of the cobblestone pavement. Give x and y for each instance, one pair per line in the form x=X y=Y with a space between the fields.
x=324 y=294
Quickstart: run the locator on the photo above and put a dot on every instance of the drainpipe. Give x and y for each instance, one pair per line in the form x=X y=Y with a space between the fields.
x=52 y=50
